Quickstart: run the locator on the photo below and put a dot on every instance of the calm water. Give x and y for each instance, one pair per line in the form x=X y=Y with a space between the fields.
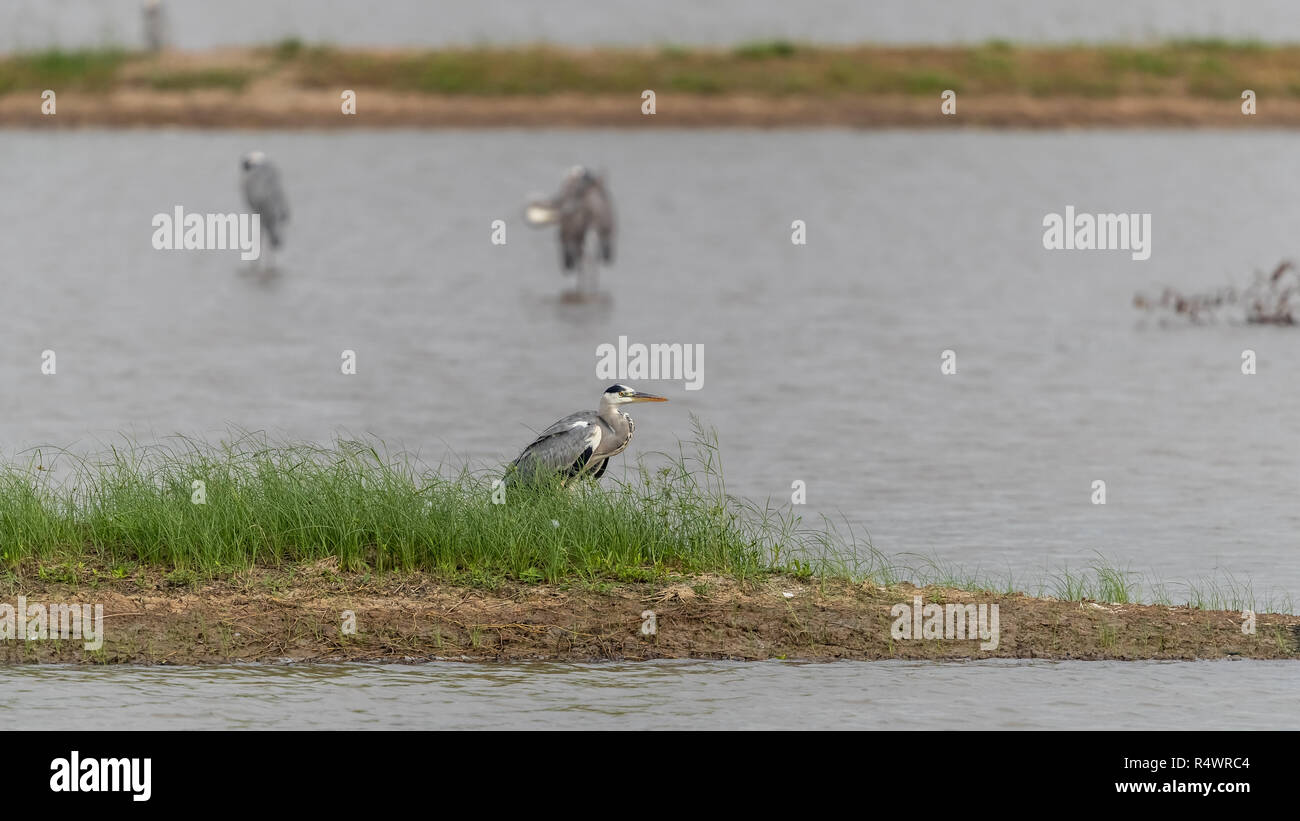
x=822 y=364
x=195 y=24
x=821 y=361
x=671 y=695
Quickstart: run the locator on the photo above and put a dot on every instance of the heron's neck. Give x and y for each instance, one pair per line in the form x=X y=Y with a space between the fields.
x=612 y=416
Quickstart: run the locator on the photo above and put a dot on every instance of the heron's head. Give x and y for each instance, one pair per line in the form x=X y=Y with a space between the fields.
x=253 y=159
x=579 y=177
x=623 y=395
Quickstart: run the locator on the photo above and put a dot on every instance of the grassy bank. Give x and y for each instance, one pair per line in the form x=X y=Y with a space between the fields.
x=252 y=550
x=998 y=83
x=194 y=510
x=234 y=506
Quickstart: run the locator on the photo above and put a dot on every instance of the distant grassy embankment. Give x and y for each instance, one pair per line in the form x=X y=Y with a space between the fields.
x=292 y=84
x=1207 y=69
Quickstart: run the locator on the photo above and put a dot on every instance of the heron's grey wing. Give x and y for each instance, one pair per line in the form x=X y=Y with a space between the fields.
x=563 y=448
x=277 y=202
x=260 y=189
x=602 y=217
x=574 y=220
x=265 y=196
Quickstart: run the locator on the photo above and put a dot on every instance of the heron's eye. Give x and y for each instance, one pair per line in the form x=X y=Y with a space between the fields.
x=624 y=393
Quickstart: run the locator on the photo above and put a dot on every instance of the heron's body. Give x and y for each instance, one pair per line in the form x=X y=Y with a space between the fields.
x=583 y=205
x=581 y=443
x=265 y=196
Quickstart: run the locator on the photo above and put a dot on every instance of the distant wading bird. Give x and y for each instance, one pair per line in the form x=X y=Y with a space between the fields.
x=265 y=197
x=581 y=443
x=582 y=205
x=155 y=25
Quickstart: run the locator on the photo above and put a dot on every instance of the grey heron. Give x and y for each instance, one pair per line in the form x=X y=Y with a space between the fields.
x=582 y=205
x=581 y=443
x=261 y=183
x=155 y=25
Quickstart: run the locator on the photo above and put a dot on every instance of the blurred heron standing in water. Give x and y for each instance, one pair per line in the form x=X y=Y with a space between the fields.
x=155 y=25
x=261 y=183
x=582 y=205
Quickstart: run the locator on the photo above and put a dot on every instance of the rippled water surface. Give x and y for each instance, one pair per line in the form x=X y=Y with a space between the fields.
x=651 y=695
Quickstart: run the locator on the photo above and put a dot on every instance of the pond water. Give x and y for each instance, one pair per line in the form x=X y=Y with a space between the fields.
x=658 y=695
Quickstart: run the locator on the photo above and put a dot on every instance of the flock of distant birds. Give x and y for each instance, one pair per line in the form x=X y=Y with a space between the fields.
x=581 y=444
x=1266 y=301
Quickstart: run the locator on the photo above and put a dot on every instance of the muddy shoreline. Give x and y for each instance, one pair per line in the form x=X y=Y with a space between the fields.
x=299 y=614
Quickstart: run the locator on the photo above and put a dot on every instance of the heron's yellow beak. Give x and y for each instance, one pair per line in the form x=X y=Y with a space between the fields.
x=646 y=397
